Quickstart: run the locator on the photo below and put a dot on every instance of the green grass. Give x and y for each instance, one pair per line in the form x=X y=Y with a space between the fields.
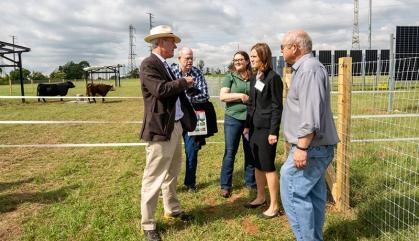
x=94 y=193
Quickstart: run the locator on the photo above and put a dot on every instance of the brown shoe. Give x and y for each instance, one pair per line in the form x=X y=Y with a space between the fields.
x=225 y=193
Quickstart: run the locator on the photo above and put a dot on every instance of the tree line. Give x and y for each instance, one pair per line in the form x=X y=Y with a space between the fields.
x=68 y=71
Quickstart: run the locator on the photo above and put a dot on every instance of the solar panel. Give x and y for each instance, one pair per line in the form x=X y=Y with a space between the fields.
x=384 y=59
x=339 y=54
x=371 y=61
x=356 y=56
x=407 y=46
x=325 y=57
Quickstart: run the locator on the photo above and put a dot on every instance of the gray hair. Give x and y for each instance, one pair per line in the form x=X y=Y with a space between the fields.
x=300 y=38
x=154 y=43
x=184 y=49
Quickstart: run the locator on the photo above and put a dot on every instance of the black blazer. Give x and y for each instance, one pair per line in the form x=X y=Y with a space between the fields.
x=264 y=109
x=160 y=93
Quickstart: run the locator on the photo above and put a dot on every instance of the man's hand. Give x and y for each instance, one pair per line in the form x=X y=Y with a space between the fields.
x=272 y=139
x=190 y=81
x=244 y=98
x=300 y=158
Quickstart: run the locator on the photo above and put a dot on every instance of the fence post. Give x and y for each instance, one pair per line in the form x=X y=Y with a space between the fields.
x=286 y=81
x=341 y=189
x=391 y=75
x=378 y=73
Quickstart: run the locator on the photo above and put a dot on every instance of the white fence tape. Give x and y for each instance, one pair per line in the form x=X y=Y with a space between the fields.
x=75 y=145
x=33 y=122
x=75 y=97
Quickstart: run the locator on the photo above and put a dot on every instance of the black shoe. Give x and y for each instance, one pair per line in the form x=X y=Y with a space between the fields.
x=225 y=193
x=191 y=189
x=152 y=235
x=253 y=206
x=264 y=216
x=181 y=216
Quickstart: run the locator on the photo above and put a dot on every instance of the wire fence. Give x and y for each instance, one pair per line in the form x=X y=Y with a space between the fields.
x=383 y=175
x=378 y=172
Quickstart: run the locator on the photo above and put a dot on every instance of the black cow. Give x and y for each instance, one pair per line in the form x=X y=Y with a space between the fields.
x=98 y=89
x=60 y=89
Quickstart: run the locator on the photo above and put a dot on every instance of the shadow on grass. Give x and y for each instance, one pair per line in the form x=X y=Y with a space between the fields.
x=9 y=202
x=8 y=185
x=376 y=217
x=203 y=214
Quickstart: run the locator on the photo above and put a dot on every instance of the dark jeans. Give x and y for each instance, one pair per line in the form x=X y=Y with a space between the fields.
x=191 y=151
x=233 y=130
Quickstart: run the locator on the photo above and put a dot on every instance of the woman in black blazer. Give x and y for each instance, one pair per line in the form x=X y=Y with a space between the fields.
x=263 y=121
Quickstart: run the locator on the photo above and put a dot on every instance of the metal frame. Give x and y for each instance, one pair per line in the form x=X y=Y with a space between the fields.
x=89 y=71
x=8 y=48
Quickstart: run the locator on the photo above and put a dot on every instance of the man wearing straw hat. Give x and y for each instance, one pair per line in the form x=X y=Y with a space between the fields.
x=167 y=112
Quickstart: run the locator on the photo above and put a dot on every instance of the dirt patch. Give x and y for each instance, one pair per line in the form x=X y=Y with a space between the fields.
x=234 y=197
x=212 y=206
x=11 y=222
x=249 y=227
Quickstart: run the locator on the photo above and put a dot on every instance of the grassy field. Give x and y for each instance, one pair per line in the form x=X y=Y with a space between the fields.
x=93 y=193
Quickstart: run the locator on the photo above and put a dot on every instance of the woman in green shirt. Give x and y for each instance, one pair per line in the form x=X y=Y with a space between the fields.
x=235 y=93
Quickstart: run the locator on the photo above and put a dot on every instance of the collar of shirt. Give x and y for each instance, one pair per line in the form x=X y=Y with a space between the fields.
x=178 y=72
x=299 y=62
x=160 y=57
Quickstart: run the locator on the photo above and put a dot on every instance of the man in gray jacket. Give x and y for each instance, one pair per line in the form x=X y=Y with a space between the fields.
x=310 y=129
x=167 y=111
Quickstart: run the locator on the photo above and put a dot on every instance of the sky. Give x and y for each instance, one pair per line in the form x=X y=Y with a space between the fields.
x=59 y=31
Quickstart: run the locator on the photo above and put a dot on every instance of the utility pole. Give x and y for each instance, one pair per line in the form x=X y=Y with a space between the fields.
x=355 y=32
x=150 y=20
x=131 y=54
x=13 y=42
x=369 y=24
x=150 y=17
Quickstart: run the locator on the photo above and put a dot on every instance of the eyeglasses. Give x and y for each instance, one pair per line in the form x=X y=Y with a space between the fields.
x=238 y=60
x=284 y=45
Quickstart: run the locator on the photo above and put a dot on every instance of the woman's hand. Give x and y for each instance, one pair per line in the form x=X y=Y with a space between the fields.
x=244 y=98
x=272 y=139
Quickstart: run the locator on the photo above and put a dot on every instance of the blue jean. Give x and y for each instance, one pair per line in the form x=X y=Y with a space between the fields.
x=191 y=152
x=303 y=193
x=233 y=131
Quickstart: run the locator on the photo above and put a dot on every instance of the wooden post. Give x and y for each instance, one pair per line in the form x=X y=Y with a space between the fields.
x=286 y=81
x=341 y=189
x=10 y=86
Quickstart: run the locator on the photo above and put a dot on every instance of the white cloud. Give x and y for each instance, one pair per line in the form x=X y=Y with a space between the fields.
x=58 y=31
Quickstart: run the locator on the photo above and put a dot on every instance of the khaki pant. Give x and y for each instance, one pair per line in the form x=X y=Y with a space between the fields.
x=163 y=164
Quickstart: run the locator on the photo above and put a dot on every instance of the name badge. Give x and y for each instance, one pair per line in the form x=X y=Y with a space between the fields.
x=259 y=85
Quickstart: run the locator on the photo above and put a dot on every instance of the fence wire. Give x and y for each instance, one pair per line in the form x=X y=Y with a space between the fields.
x=384 y=175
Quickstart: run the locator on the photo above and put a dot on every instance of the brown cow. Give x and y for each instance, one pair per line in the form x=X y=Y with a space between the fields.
x=98 y=89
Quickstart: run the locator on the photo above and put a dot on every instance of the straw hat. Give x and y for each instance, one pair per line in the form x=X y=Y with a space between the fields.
x=161 y=31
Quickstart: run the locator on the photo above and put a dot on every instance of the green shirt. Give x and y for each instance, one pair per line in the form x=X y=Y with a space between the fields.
x=236 y=84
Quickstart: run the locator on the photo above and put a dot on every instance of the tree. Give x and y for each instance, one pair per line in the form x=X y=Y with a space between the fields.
x=135 y=73
x=57 y=74
x=38 y=76
x=73 y=70
x=15 y=75
x=201 y=65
